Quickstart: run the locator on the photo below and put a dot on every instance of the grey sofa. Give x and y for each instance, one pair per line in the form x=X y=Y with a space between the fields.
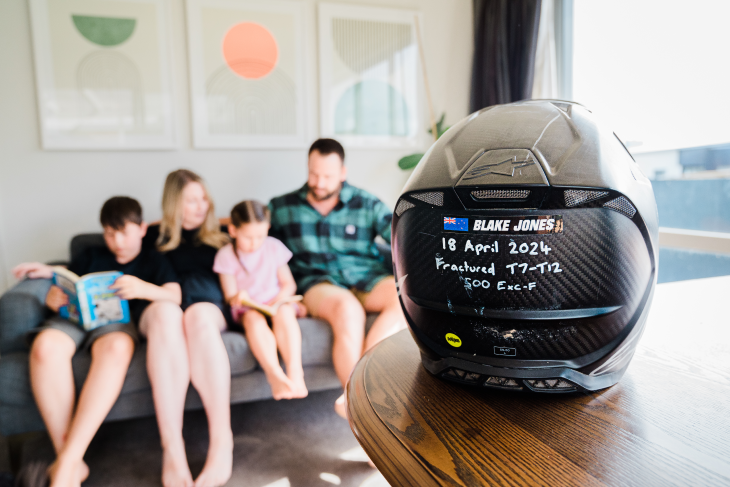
x=22 y=308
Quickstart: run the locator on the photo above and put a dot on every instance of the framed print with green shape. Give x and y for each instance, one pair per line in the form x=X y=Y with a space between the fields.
x=369 y=74
x=102 y=74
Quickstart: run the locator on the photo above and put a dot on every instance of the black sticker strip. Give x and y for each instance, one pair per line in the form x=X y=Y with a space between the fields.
x=507 y=225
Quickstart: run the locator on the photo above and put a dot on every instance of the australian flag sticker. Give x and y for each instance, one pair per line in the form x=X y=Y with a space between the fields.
x=457 y=224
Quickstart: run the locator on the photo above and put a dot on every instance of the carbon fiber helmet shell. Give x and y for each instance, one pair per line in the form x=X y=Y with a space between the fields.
x=525 y=250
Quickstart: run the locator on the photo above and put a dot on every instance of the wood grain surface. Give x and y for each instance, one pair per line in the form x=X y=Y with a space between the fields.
x=667 y=422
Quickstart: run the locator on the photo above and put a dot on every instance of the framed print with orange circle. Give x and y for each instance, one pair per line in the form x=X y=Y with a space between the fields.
x=247 y=73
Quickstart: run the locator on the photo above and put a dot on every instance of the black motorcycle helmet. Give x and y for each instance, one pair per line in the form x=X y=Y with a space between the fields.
x=525 y=250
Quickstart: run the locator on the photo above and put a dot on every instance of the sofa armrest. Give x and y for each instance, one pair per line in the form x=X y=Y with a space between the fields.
x=22 y=308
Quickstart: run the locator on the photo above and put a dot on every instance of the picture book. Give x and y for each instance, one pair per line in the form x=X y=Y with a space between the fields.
x=91 y=302
x=270 y=309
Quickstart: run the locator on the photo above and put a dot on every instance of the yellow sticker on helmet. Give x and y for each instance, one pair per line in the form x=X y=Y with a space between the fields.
x=453 y=340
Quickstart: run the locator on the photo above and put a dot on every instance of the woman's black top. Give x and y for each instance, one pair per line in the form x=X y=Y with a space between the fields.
x=192 y=261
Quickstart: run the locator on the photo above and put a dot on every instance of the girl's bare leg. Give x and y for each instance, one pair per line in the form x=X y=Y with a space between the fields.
x=169 y=372
x=289 y=341
x=263 y=346
x=210 y=373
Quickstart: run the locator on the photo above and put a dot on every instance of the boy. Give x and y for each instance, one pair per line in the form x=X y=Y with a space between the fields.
x=148 y=277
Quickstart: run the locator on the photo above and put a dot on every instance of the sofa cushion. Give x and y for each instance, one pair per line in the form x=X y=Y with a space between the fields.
x=15 y=380
x=239 y=353
x=21 y=309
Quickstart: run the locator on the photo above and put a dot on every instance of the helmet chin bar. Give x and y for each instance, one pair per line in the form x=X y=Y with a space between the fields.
x=527 y=269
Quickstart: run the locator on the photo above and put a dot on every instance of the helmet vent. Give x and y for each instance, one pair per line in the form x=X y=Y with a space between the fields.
x=403 y=206
x=435 y=198
x=556 y=384
x=501 y=194
x=621 y=205
x=502 y=382
x=575 y=197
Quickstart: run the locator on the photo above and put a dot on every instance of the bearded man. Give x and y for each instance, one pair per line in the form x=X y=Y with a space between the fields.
x=330 y=226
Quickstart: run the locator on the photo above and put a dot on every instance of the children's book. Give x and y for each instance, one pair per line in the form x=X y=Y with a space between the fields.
x=270 y=309
x=91 y=302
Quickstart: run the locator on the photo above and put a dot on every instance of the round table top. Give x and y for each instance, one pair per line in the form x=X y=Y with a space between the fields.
x=667 y=422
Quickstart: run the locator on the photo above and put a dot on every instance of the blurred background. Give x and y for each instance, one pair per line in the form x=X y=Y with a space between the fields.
x=655 y=71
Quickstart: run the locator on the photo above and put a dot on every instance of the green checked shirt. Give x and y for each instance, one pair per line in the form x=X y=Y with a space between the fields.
x=337 y=248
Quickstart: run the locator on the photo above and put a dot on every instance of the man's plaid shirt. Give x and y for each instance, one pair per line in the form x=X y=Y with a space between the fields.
x=338 y=248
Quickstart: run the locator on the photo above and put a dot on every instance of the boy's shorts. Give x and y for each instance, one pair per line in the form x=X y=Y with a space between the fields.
x=82 y=338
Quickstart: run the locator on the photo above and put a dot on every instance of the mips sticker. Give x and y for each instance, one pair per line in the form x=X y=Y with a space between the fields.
x=453 y=340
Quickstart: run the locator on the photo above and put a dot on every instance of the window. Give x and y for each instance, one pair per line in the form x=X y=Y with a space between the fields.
x=658 y=73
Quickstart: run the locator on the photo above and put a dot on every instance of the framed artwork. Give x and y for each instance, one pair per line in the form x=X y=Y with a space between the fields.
x=369 y=76
x=102 y=74
x=247 y=73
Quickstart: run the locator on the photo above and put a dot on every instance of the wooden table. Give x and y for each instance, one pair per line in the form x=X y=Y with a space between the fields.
x=667 y=422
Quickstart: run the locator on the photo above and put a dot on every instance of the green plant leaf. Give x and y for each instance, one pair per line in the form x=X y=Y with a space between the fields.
x=409 y=162
x=440 y=126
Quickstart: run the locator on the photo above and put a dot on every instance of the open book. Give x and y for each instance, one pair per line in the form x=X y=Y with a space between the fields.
x=91 y=303
x=270 y=309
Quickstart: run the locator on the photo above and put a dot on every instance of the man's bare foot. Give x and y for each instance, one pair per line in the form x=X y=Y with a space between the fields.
x=341 y=406
x=299 y=388
x=65 y=473
x=218 y=465
x=175 y=470
x=281 y=386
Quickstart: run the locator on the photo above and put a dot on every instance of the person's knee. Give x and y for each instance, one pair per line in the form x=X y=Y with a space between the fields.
x=52 y=346
x=347 y=309
x=285 y=313
x=348 y=320
x=383 y=297
x=115 y=345
x=253 y=318
x=162 y=322
x=164 y=311
x=202 y=318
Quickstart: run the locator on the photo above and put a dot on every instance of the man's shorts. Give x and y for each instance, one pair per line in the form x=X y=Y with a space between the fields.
x=326 y=289
x=82 y=338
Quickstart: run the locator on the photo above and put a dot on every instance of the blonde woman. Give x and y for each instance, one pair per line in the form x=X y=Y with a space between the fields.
x=190 y=236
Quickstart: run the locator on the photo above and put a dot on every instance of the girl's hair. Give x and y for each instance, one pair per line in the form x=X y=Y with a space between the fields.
x=172 y=209
x=249 y=211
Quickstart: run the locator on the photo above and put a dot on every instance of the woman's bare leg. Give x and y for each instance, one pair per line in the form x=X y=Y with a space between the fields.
x=263 y=346
x=110 y=358
x=210 y=373
x=52 y=382
x=169 y=372
x=289 y=341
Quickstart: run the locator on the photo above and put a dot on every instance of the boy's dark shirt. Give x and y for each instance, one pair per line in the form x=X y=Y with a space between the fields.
x=149 y=266
x=193 y=264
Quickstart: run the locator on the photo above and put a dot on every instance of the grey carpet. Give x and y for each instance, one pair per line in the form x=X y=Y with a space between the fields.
x=298 y=443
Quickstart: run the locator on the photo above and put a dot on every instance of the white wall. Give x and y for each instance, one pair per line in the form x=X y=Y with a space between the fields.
x=46 y=197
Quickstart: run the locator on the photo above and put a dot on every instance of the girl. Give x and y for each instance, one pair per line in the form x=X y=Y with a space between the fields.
x=254 y=268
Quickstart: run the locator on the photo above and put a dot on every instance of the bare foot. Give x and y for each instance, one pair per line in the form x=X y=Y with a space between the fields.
x=65 y=473
x=281 y=386
x=299 y=388
x=218 y=465
x=341 y=406
x=175 y=470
